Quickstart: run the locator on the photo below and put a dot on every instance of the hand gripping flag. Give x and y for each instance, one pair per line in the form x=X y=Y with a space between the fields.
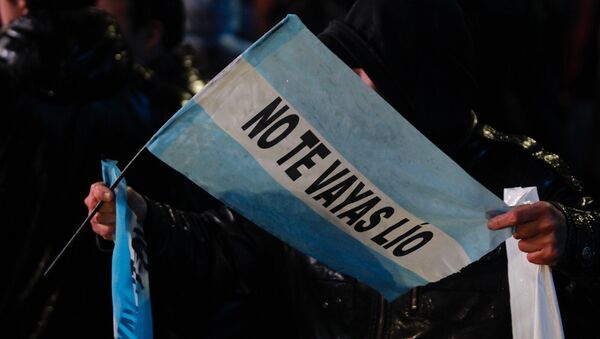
x=289 y=137
x=132 y=314
x=534 y=308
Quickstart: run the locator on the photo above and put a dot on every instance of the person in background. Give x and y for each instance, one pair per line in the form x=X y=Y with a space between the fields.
x=67 y=78
x=169 y=69
x=66 y=75
x=314 y=14
x=215 y=28
x=168 y=72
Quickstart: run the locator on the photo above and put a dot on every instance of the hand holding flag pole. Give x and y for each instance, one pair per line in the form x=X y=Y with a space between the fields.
x=92 y=213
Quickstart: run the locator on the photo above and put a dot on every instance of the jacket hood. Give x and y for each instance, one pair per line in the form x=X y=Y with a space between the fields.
x=58 y=5
x=65 y=55
x=418 y=54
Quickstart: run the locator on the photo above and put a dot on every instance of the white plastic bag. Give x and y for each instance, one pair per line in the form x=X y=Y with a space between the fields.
x=533 y=304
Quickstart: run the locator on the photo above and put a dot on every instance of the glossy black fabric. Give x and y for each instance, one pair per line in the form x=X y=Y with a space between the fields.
x=245 y=283
x=172 y=78
x=418 y=53
x=435 y=60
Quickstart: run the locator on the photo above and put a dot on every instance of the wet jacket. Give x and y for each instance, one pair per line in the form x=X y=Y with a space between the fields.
x=171 y=79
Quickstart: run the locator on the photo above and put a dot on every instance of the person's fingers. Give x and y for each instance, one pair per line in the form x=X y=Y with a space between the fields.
x=518 y=215
x=535 y=244
x=541 y=250
x=105 y=218
x=106 y=208
x=524 y=214
x=540 y=228
x=101 y=192
x=90 y=202
x=546 y=256
x=98 y=192
x=103 y=223
x=543 y=225
x=105 y=231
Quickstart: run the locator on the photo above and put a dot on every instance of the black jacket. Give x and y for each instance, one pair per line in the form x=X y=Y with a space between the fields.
x=69 y=98
x=244 y=283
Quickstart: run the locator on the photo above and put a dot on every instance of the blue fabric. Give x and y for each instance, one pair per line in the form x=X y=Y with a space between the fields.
x=132 y=313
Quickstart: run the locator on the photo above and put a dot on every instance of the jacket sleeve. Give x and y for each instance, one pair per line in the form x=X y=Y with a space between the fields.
x=204 y=263
x=580 y=260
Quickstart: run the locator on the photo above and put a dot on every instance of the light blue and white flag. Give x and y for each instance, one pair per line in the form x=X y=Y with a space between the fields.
x=288 y=136
x=132 y=314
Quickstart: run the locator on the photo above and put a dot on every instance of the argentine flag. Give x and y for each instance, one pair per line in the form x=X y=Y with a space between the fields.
x=288 y=136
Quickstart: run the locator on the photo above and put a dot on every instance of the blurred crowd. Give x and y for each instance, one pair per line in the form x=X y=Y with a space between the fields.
x=83 y=80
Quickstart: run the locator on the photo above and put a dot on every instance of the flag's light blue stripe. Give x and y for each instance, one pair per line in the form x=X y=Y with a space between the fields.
x=173 y=120
x=334 y=101
x=122 y=294
x=133 y=321
x=296 y=223
x=275 y=38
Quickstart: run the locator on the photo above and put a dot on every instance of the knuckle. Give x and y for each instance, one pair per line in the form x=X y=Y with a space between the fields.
x=544 y=260
x=513 y=218
x=543 y=205
x=96 y=228
x=547 y=226
x=103 y=219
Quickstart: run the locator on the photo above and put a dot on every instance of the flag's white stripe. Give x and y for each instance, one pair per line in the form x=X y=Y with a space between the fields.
x=199 y=149
x=365 y=131
x=227 y=102
x=375 y=138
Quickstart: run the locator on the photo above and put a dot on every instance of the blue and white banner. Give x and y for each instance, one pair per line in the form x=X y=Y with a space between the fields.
x=289 y=136
x=132 y=314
